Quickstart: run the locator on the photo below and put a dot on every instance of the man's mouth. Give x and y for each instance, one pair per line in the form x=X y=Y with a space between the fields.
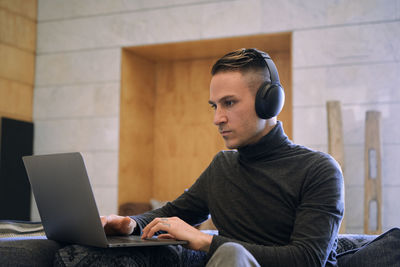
x=225 y=132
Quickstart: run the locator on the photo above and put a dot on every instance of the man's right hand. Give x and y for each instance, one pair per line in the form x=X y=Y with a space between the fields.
x=118 y=225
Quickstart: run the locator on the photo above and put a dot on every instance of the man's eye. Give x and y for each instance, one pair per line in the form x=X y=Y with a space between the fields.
x=229 y=103
x=214 y=107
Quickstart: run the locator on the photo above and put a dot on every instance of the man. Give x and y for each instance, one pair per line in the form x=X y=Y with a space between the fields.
x=280 y=203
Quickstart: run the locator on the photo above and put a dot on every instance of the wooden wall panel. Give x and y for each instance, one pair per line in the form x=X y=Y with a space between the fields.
x=17 y=54
x=175 y=79
x=24 y=8
x=16 y=64
x=185 y=138
x=17 y=31
x=215 y=48
x=136 y=129
x=15 y=100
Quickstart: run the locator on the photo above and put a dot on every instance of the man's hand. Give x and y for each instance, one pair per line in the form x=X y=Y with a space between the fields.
x=118 y=225
x=178 y=229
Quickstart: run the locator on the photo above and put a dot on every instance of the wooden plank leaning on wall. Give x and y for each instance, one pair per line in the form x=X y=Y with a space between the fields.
x=335 y=140
x=373 y=174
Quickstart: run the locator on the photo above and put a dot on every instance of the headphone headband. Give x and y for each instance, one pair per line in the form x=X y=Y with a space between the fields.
x=273 y=71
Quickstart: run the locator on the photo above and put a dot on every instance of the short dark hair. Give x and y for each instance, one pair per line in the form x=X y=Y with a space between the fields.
x=243 y=60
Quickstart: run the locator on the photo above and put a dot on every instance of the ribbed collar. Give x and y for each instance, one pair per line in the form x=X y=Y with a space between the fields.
x=268 y=148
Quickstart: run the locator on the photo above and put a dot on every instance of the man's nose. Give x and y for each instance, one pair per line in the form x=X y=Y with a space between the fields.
x=219 y=116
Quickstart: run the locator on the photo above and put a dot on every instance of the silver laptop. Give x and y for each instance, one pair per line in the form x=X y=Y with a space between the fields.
x=67 y=206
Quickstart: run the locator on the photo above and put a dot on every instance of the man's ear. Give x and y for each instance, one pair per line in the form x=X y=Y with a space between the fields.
x=269 y=100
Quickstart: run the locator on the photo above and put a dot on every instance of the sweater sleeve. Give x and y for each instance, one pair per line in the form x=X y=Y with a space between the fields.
x=314 y=236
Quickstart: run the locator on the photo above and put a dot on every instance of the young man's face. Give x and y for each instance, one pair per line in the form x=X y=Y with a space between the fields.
x=235 y=115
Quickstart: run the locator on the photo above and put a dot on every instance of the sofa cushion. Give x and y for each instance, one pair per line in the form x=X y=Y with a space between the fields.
x=167 y=256
x=347 y=242
x=76 y=255
x=27 y=251
x=13 y=228
x=382 y=251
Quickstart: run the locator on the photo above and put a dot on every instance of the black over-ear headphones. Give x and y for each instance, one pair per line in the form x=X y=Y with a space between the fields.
x=270 y=96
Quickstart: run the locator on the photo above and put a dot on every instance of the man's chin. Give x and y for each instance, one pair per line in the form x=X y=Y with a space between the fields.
x=231 y=145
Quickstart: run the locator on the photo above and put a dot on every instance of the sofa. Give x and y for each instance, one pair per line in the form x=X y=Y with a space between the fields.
x=25 y=244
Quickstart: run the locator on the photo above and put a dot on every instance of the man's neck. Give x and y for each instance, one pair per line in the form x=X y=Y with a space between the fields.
x=269 y=125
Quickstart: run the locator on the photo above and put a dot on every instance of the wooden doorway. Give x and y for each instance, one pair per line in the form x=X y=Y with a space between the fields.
x=166 y=133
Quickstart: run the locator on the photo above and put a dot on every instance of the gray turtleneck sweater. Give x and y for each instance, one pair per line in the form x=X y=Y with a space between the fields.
x=281 y=201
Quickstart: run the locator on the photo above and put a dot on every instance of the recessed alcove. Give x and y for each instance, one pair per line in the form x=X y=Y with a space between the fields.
x=166 y=133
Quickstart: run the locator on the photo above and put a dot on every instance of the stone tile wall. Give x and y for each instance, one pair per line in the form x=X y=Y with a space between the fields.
x=342 y=50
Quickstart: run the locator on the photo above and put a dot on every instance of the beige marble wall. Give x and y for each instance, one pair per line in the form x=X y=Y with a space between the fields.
x=358 y=65
x=342 y=50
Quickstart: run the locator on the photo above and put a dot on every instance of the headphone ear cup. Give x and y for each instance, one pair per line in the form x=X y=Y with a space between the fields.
x=269 y=100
